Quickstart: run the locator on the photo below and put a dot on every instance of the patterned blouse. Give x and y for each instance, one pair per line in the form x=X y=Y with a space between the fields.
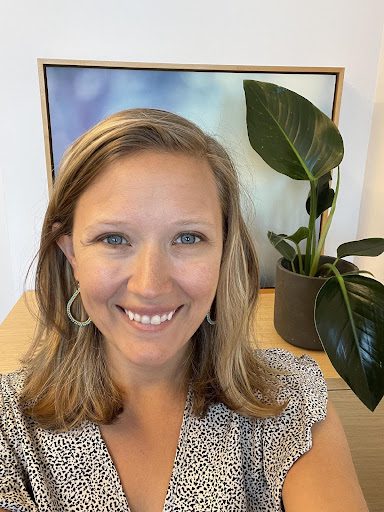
x=224 y=461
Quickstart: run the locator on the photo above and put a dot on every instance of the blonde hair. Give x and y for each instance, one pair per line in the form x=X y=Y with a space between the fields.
x=67 y=379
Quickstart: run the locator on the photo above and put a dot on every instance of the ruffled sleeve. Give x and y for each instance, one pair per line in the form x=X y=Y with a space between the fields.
x=14 y=493
x=288 y=436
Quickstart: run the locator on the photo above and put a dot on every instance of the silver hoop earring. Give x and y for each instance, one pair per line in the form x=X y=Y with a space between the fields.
x=70 y=316
x=209 y=319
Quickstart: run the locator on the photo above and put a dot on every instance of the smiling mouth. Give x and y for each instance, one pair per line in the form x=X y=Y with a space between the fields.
x=156 y=319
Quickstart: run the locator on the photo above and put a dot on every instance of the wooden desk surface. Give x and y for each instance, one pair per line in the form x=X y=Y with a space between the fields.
x=17 y=330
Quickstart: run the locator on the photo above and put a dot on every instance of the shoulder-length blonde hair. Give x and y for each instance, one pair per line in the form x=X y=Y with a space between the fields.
x=67 y=378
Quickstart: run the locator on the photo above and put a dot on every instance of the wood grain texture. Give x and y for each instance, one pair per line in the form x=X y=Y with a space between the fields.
x=46 y=125
x=208 y=67
x=17 y=331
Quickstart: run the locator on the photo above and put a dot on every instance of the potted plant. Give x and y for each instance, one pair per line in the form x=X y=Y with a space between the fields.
x=345 y=308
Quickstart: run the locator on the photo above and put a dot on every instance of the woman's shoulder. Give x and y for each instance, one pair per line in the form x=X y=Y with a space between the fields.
x=302 y=386
x=291 y=370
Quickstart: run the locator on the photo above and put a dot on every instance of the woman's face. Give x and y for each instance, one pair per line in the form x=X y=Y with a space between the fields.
x=146 y=249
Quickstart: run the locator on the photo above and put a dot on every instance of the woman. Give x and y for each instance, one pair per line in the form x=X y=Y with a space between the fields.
x=142 y=391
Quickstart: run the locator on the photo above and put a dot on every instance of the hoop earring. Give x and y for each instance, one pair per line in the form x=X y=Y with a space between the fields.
x=70 y=316
x=209 y=319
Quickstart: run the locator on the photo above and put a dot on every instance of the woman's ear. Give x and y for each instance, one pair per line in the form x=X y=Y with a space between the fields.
x=66 y=245
x=65 y=242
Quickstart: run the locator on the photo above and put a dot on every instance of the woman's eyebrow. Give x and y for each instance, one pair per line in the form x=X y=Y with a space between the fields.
x=193 y=221
x=179 y=222
x=104 y=223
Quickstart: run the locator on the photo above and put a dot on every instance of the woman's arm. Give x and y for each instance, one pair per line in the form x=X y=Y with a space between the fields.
x=324 y=479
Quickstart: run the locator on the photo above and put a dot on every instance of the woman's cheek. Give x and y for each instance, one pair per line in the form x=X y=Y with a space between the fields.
x=200 y=279
x=98 y=276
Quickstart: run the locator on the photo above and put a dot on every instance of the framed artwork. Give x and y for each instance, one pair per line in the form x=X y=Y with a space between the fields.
x=78 y=94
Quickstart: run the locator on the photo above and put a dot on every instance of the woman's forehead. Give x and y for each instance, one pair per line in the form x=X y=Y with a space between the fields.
x=154 y=184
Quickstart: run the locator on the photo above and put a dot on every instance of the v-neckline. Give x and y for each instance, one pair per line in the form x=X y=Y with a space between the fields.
x=176 y=463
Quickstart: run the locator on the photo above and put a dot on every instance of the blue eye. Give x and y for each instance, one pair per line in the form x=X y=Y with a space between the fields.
x=115 y=240
x=187 y=238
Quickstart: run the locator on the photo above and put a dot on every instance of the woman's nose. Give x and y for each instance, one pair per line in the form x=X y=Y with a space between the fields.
x=150 y=273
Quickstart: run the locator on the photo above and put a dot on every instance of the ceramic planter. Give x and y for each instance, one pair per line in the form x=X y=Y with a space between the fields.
x=295 y=302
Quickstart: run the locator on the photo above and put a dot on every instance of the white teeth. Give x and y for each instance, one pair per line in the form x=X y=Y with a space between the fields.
x=146 y=319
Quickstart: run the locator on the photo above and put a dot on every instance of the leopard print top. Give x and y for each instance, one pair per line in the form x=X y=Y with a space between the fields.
x=224 y=461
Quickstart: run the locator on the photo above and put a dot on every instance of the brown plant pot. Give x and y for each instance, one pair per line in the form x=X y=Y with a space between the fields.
x=295 y=303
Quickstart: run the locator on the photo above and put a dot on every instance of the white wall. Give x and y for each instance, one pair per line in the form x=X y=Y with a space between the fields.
x=7 y=281
x=372 y=204
x=300 y=32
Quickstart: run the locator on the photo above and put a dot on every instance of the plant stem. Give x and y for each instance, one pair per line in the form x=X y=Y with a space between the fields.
x=324 y=231
x=309 y=251
x=300 y=259
x=334 y=263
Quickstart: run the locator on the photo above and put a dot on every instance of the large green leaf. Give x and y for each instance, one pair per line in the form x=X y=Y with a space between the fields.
x=354 y=338
x=364 y=247
x=292 y=135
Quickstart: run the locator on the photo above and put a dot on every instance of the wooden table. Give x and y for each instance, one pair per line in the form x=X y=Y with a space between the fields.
x=365 y=430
